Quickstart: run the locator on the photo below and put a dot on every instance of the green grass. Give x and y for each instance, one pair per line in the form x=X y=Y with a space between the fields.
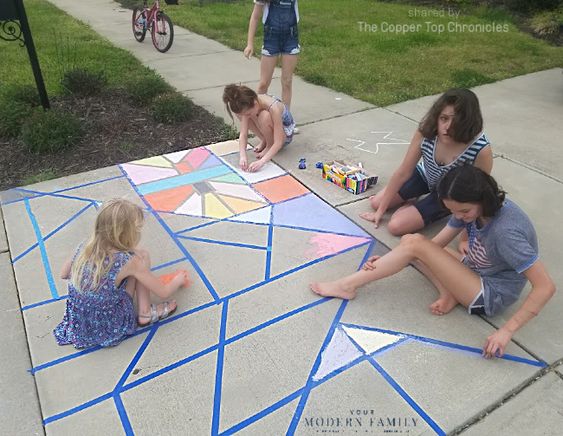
x=63 y=44
x=41 y=176
x=384 y=67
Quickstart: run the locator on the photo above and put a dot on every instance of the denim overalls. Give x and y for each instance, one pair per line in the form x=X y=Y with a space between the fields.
x=280 y=29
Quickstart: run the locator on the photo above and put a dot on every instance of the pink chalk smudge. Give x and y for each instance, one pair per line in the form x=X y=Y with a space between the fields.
x=325 y=244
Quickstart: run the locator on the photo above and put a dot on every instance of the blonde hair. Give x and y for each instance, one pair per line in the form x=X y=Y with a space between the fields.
x=118 y=228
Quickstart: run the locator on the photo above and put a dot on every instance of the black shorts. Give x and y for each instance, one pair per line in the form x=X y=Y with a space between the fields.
x=429 y=207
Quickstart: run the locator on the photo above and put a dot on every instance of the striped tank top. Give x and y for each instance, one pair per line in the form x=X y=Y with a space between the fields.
x=432 y=172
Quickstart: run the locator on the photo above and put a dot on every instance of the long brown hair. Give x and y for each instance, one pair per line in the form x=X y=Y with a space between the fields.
x=118 y=228
x=238 y=98
x=467 y=122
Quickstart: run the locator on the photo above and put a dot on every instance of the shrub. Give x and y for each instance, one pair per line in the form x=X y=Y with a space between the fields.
x=83 y=83
x=547 y=25
x=143 y=90
x=26 y=94
x=12 y=116
x=51 y=131
x=172 y=108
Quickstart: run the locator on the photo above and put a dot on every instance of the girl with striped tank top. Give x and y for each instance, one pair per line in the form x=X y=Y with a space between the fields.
x=449 y=135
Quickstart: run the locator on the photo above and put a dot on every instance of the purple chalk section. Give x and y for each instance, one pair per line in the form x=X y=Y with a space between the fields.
x=310 y=212
x=211 y=161
x=339 y=352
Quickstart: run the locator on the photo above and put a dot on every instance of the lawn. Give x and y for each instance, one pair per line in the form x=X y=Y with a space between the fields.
x=351 y=45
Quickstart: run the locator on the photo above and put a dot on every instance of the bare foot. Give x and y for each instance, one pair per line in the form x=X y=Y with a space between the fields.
x=259 y=147
x=333 y=289
x=443 y=305
x=368 y=216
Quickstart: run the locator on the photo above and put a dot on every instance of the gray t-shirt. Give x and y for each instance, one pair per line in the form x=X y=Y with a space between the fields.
x=500 y=252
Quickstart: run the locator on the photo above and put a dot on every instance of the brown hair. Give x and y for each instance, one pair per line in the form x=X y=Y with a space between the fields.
x=467 y=122
x=238 y=98
x=469 y=184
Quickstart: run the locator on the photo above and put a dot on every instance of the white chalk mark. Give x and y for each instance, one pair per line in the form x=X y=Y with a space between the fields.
x=388 y=137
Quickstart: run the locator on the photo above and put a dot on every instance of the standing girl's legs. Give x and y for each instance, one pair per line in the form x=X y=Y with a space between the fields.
x=267 y=66
x=458 y=283
x=288 y=63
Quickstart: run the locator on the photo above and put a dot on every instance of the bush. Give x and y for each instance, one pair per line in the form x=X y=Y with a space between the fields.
x=143 y=90
x=26 y=94
x=172 y=108
x=83 y=83
x=51 y=131
x=547 y=25
x=12 y=116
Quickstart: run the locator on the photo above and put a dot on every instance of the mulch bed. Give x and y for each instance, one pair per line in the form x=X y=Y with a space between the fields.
x=116 y=132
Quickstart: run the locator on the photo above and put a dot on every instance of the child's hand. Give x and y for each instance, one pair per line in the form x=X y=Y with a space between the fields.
x=377 y=218
x=243 y=162
x=177 y=279
x=256 y=165
x=370 y=263
x=496 y=343
x=248 y=51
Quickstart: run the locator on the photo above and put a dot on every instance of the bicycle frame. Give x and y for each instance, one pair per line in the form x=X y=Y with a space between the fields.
x=151 y=12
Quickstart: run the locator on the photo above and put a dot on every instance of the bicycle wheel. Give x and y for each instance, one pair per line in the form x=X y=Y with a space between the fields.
x=162 y=32
x=139 y=24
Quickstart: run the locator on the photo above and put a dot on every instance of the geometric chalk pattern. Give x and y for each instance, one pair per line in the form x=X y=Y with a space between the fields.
x=201 y=205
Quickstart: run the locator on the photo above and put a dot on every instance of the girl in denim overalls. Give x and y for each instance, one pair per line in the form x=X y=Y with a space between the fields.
x=281 y=39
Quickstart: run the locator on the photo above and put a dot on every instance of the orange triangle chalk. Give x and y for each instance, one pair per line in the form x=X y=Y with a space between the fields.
x=167 y=278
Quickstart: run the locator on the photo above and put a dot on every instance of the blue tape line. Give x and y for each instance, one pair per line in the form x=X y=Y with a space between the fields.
x=166 y=264
x=68 y=221
x=268 y=268
x=181 y=180
x=231 y=244
x=44 y=257
x=123 y=415
x=42 y=303
x=168 y=230
x=263 y=413
x=199 y=226
x=136 y=358
x=219 y=371
x=308 y=386
x=76 y=409
x=50 y=194
x=453 y=345
x=406 y=397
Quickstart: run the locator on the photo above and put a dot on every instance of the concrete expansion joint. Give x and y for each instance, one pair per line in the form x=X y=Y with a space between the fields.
x=529 y=167
x=509 y=396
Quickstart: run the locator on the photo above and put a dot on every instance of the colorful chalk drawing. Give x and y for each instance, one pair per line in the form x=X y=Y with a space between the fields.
x=202 y=187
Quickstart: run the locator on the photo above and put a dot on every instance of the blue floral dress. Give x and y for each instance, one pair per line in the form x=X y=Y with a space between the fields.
x=103 y=316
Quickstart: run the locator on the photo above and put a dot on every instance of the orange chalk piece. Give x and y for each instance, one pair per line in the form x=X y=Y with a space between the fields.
x=167 y=278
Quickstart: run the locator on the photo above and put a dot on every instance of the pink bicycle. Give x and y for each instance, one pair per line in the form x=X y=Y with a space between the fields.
x=156 y=22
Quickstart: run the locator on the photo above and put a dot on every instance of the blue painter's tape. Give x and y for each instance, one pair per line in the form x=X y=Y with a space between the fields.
x=123 y=415
x=406 y=397
x=231 y=244
x=182 y=180
x=76 y=409
x=42 y=303
x=219 y=371
x=44 y=257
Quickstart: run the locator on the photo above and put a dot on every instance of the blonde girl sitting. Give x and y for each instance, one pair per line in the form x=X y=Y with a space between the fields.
x=266 y=116
x=105 y=276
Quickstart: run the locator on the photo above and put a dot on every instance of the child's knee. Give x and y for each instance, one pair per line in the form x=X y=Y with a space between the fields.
x=397 y=226
x=265 y=119
x=412 y=241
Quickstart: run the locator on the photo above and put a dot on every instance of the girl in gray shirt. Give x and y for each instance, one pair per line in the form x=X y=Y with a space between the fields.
x=502 y=257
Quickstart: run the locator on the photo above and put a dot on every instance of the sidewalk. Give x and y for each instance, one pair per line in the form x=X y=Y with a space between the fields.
x=251 y=350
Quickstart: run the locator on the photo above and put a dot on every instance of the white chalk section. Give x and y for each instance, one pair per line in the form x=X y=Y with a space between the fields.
x=371 y=341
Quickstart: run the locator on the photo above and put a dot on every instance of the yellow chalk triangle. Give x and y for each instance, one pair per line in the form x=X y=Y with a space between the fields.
x=214 y=208
x=156 y=161
x=239 y=205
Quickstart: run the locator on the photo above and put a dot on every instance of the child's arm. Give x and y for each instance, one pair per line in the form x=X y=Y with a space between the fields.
x=484 y=160
x=446 y=235
x=400 y=176
x=543 y=289
x=65 y=270
x=252 y=26
x=276 y=112
x=242 y=143
x=138 y=269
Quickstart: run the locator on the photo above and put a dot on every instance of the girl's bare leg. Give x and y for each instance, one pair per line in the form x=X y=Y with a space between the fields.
x=405 y=220
x=288 y=64
x=455 y=278
x=267 y=66
x=266 y=125
x=254 y=128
